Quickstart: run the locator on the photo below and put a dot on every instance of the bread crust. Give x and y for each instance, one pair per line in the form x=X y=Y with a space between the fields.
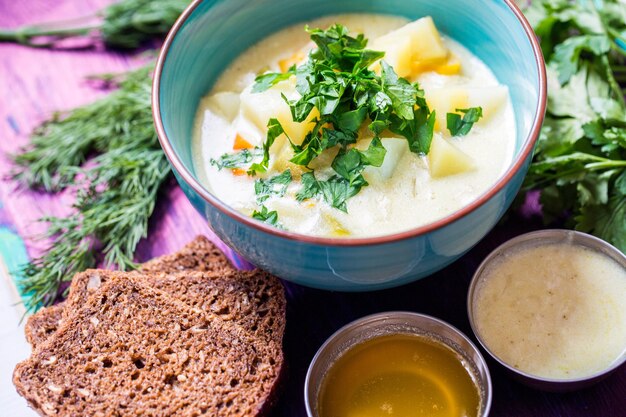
x=132 y=350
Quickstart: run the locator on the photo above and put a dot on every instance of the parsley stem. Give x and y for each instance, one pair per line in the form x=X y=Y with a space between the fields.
x=610 y=77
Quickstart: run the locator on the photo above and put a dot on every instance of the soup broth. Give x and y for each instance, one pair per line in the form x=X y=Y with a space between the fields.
x=409 y=189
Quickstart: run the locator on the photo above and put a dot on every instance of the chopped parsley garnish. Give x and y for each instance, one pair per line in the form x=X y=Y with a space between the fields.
x=276 y=185
x=236 y=160
x=274 y=130
x=337 y=81
x=335 y=191
x=266 y=216
x=461 y=125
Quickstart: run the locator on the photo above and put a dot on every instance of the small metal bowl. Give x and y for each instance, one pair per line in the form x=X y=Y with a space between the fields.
x=545 y=237
x=396 y=322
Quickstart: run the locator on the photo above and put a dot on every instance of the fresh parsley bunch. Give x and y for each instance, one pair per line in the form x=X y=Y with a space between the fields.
x=580 y=161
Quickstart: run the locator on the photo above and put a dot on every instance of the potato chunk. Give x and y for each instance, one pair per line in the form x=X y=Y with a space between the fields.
x=445 y=159
x=416 y=42
x=259 y=108
x=225 y=103
x=447 y=99
x=396 y=148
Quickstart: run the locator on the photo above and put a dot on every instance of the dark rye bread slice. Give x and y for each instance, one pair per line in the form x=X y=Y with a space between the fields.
x=199 y=254
x=132 y=350
x=255 y=300
x=43 y=323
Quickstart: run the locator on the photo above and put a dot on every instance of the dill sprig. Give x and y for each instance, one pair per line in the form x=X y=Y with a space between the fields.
x=117 y=189
x=126 y=24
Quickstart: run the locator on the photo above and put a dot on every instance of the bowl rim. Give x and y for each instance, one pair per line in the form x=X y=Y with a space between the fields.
x=512 y=170
x=407 y=315
x=545 y=236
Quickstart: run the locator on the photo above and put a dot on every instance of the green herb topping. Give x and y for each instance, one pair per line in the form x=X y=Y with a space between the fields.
x=266 y=216
x=236 y=160
x=277 y=185
x=337 y=81
x=461 y=125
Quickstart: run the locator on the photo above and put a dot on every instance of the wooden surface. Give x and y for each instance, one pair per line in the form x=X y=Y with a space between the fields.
x=33 y=83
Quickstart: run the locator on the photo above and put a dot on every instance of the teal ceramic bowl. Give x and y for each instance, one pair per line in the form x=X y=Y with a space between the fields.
x=211 y=33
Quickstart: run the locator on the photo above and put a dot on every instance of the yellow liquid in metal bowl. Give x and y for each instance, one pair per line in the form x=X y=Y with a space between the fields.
x=399 y=375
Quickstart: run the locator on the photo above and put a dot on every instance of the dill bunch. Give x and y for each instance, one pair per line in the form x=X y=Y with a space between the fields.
x=126 y=24
x=117 y=189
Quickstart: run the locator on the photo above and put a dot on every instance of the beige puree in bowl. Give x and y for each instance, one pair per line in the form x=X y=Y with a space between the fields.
x=556 y=311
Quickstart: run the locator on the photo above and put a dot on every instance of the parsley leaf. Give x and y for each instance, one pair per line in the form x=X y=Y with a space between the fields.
x=266 y=216
x=266 y=81
x=276 y=185
x=566 y=56
x=237 y=159
x=461 y=126
x=579 y=165
x=399 y=90
x=335 y=191
x=274 y=130
x=310 y=187
x=419 y=131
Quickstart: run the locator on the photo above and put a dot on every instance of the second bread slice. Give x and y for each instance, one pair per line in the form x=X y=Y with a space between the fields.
x=133 y=350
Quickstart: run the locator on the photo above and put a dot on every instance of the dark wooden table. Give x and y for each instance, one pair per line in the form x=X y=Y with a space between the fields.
x=33 y=83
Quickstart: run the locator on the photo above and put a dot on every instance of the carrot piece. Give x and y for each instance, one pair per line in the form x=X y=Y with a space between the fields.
x=241 y=143
x=238 y=172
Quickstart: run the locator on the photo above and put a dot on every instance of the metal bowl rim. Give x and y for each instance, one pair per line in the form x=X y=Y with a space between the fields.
x=547 y=235
x=481 y=364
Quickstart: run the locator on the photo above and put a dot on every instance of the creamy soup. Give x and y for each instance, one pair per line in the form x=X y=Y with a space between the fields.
x=410 y=188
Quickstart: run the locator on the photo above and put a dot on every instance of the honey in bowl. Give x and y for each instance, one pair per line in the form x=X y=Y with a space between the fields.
x=399 y=375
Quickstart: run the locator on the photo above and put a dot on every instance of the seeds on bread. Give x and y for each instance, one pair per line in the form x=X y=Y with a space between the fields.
x=43 y=323
x=199 y=254
x=134 y=350
x=255 y=300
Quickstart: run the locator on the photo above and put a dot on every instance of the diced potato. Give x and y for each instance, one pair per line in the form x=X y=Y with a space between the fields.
x=336 y=229
x=448 y=99
x=398 y=50
x=417 y=41
x=261 y=107
x=280 y=162
x=225 y=103
x=325 y=159
x=396 y=148
x=491 y=99
x=445 y=159
x=427 y=40
x=449 y=66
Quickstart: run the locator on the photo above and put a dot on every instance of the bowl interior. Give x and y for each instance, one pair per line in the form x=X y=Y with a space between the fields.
x=217 y=31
